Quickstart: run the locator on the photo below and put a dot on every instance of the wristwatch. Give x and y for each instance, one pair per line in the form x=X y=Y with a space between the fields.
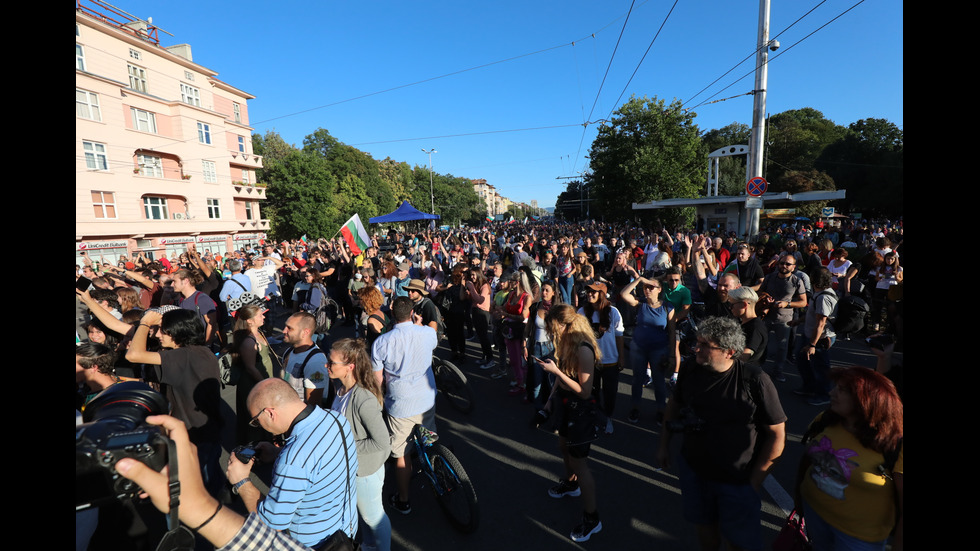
x=239 y=484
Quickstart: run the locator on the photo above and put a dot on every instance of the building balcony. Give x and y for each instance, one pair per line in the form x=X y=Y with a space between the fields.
x=249 y=191
x=178 y=224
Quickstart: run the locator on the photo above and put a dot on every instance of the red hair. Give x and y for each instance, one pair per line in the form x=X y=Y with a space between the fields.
x=880 y=410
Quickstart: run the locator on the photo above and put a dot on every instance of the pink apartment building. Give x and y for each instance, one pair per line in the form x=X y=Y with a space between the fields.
x=163 y=148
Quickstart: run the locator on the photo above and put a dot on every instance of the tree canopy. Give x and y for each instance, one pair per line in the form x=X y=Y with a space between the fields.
x=648 y=151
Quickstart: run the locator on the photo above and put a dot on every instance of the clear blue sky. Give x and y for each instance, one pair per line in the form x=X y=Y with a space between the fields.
x=298 y=58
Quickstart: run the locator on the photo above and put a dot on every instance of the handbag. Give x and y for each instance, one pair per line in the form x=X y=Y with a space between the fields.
x=793 y=535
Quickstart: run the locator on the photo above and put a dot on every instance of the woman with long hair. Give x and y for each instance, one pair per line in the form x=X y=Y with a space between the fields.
x=517 y=308
x=456 y=316
x=575 y=409
x=250 y=350
x=566 y=271
x=539 y=343
x=851 y=476
x=376 y=320
x=607 y=324
x=359 y=399
x=478 y=294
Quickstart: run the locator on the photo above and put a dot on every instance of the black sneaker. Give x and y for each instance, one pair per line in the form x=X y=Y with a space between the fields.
x=584 y=531
x=565 y=488
x=402 y=507
x=634 y=416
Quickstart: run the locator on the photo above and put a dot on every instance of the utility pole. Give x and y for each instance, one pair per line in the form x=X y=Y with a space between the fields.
x=432 y=196
x=757 y=143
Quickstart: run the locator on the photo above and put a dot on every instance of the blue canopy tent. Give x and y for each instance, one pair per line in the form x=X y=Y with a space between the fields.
x=404 y=213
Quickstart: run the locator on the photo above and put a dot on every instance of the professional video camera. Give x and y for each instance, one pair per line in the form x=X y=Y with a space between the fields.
x=115 y=427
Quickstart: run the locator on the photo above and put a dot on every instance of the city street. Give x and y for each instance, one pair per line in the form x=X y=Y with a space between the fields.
x=512 y=466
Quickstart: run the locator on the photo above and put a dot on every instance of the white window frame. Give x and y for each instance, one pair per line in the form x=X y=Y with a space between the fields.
x=190 y=95
x=79 y=57
x=87 y=105
x=95 y=155
x=245 y=176
x=155 y=205
x=238 y=111
x=210 y=172
x=137 y=77
x=248 y=210
x=144 y=121
x=150 y=166
x=241 y=144
x=135 y=54
x=204 y=132
x=214 y=209
x=107 y=200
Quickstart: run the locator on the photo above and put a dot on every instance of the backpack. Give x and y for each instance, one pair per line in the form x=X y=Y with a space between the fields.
x=440 y=324
x=326 y=313
x=229 y=373
x=302 y=368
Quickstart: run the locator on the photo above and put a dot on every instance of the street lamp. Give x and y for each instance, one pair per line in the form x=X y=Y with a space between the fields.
x=432 y=196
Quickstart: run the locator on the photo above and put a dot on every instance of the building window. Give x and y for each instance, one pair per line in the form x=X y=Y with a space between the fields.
x=204 y=133
x=143 y=121
x=137 y=78
x=238 y=112
x=150 y=165
x=245 y=178
x=135 y=54
x=210 y=173
x=79 y=57
x=155 y=208
x=87 y=105
x=104 y=203
x=214 y=210
x=95 y=157
x=190 y=95
x=189 y=75
x=241 y=144
x=248 y=210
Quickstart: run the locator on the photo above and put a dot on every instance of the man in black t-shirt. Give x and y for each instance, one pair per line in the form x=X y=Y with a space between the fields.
x=734 y=430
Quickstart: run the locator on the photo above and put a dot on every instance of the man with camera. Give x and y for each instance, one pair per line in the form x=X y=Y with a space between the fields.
x=734 y=430
x=313 y=491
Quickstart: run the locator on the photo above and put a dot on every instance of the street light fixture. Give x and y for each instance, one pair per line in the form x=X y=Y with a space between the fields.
x=432 y=196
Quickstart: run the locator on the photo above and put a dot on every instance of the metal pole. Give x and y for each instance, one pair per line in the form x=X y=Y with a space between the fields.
x=432 y=196
x=756 y=145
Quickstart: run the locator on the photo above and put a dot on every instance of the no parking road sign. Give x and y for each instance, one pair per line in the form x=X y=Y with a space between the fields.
x=756 y=186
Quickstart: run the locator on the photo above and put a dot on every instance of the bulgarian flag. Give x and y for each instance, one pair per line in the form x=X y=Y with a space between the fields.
x=355 y=235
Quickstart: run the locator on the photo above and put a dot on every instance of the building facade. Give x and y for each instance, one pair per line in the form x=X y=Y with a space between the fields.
x=163 y=147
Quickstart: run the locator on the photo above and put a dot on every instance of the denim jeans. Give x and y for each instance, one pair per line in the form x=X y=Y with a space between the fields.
x=824 y=536
x=815 y=370
x=639 y=358
x=374 y=524
x=778 y=343
x=538 y=381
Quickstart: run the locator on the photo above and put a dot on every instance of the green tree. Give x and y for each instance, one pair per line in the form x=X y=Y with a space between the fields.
x=398 y=176
x=649 y=151
x=869 y=163
x=796 y=138
x=731 y=179
x=300 y=194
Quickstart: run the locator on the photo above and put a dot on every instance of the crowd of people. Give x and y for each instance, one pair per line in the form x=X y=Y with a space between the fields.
x=710 y=322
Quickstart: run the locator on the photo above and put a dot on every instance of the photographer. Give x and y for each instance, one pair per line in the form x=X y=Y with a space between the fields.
x=224 y=528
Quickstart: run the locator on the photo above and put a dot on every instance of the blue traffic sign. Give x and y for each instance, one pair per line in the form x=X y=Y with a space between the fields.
x=756 y=186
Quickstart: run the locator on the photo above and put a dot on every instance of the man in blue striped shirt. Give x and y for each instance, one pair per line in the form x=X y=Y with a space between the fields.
x=313 y=490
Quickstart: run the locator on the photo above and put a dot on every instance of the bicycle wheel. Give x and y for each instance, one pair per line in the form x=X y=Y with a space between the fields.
x=451 y=381
x=453 y=489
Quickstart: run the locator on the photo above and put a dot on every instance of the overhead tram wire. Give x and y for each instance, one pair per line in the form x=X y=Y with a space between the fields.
x=642 y=58
x=572 y=43
x=601 y=84
x=754 y=52
x=771 y=59
x=468 y=134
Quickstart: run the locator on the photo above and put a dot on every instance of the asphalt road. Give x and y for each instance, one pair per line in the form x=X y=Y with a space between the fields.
x=512 y=466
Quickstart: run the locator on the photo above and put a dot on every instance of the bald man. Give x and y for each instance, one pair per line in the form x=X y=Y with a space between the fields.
x=313 y=492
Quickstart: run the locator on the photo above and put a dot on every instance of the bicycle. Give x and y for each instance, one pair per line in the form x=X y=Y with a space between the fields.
x=453 y=384
x=450 y=483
